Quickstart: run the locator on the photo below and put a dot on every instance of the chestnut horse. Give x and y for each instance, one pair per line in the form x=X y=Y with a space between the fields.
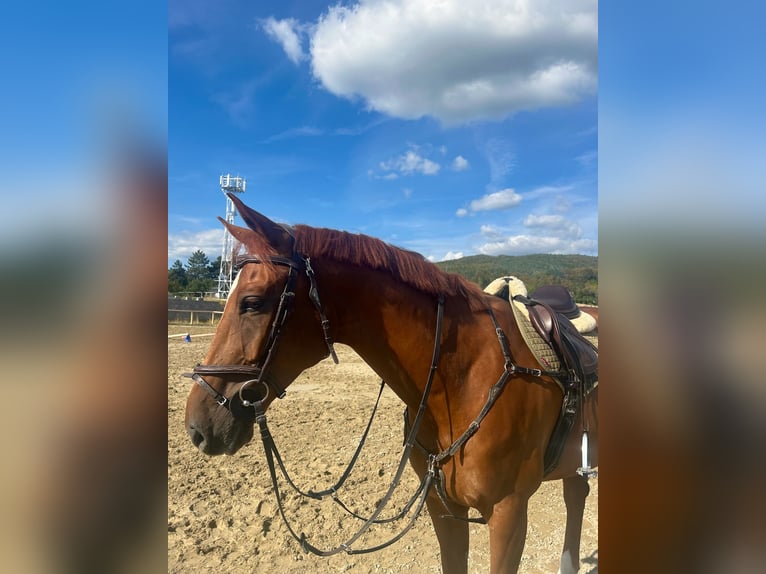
x=384 y=302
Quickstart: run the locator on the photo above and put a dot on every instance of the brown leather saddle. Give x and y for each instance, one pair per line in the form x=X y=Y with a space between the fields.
x=550 y=308
x=558 y=298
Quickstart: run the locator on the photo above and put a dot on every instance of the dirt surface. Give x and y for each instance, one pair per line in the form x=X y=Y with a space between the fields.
x=223 y=517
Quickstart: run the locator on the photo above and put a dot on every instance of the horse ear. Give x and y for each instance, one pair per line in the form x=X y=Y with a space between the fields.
x=241 y=234
x=277 y=235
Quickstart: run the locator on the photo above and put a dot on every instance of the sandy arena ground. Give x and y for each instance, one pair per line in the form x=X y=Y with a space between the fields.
x=222 y=515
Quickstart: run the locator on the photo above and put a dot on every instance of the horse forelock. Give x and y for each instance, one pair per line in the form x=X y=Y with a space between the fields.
x=256 y=245
x=407 y=266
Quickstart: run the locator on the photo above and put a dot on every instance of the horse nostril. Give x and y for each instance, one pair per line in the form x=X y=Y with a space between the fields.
x=196 y=437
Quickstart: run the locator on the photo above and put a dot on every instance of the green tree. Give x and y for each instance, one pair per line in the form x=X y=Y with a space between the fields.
x=214 y=268
x=197 y=272
x=196 y=265
x=177 y=279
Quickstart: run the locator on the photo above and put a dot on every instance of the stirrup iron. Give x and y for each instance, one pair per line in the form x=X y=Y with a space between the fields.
x=586 y=470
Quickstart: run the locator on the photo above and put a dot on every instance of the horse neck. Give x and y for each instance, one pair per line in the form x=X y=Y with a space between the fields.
x=390 y=326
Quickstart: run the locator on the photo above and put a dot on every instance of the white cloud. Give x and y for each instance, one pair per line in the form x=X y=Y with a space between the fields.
x=499 y=200
x=183 y=244
x=462 y=212
x=452 y=255
x=409 y=163
x=491 y=232
x=529 y=244
x=302 y=131
x=504 y=55
x=287 y=34
x=588 y=158
x=460 y=163
x=548 y=234
x=237 y=102
x=532 y=220
x=566 y=227
x=562 y=204
x=501 y=160
x=186 y=219
x=548 y=190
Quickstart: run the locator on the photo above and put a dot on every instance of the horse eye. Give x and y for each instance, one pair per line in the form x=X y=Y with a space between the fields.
x=251 y=305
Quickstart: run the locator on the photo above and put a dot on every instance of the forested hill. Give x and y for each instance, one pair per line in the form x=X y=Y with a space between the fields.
x=579 y=273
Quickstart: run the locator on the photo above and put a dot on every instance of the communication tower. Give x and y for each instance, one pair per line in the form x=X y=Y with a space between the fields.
x=229 y=184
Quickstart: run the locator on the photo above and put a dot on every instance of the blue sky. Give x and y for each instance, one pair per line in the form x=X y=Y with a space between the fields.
x=74 y=76
x=451 y=131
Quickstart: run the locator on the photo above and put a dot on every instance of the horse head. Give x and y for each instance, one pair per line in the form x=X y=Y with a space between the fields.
x=271 y=330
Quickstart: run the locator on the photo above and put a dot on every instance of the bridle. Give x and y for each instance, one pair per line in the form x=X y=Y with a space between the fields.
x=244 y=407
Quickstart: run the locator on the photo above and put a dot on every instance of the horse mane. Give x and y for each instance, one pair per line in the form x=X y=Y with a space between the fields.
x=407 y=266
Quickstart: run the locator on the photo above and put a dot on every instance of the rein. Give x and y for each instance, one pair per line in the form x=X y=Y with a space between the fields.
x=420 y=495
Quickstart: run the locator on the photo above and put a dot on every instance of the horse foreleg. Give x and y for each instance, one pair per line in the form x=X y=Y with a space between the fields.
x=452 y=535
x=507 y=533
x=576 y=490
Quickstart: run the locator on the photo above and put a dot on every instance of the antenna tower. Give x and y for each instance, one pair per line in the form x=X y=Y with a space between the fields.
x=229 y=184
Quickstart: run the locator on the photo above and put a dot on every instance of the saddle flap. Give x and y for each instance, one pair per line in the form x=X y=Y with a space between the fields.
x=542 y=320
x=582 y=352
x=575 y=351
